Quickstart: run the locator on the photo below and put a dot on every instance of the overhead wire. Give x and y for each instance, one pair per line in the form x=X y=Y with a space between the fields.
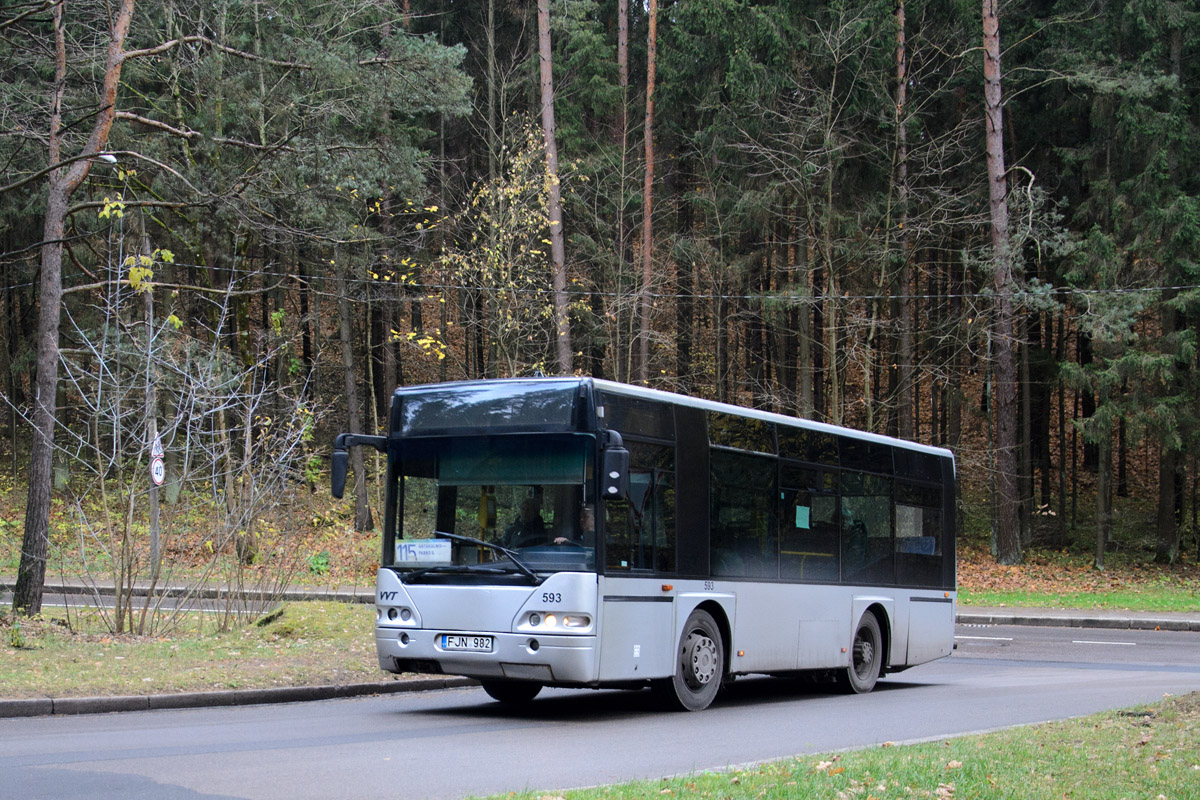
x=778 y=296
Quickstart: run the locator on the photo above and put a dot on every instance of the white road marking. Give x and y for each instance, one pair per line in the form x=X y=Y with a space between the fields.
x=988 y=638
x=1118 y=644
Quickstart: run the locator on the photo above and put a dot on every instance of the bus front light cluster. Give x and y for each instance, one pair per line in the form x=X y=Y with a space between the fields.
x=559 y=621
x=393 y=614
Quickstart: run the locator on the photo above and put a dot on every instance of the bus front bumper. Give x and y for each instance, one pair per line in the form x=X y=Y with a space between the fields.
x=552 y=659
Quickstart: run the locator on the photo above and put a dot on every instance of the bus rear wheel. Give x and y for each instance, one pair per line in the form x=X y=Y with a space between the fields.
x=699 y=665
x=866 y=657
x=513 y=693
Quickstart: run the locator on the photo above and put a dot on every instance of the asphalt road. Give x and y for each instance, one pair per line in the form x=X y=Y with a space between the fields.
x=455 y=743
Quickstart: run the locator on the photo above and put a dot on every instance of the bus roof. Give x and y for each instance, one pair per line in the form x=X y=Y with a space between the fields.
x=673 y=398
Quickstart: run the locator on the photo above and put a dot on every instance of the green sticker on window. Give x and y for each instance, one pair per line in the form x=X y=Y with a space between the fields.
x=802 y=515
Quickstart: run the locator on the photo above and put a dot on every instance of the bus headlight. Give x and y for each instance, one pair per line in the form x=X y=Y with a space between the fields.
x=550 y=622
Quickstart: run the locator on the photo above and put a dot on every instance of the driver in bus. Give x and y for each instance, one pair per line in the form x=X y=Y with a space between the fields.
x=528 y=528
x=587 y=529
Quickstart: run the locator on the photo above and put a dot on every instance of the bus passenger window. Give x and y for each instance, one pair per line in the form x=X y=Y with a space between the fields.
x=918 y=536
x=808 y=535
x=743 y=539
x=866 y=527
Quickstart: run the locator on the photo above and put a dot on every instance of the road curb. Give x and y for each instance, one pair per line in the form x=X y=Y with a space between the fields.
x=63 y=706
x=355 y=595
x=1077 y=620
x=1064 y=618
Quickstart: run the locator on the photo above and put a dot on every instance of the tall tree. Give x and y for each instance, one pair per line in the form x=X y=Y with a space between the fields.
x=557 y=250
x=363 y=520
x=647 y=250
x=1003 y=324
x=905 y=410
x=64 y=176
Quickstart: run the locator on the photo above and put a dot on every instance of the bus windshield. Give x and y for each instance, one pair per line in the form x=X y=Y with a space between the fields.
x=526 y=494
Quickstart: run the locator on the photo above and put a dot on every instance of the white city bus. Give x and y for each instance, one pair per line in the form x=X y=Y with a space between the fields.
x=579 y=532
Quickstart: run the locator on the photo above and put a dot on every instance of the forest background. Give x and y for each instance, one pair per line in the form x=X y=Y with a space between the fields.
x=231 y=227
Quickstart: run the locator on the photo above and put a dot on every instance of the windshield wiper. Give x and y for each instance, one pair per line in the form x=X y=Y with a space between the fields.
x=520 y=565
x=439 y=568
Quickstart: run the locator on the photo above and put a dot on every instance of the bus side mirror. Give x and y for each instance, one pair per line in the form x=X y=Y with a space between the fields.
x=614 y=482
x=341 y=457
x=338 y=465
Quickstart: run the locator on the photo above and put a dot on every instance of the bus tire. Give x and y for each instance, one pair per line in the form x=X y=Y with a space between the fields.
x=513 y=693
x=866 y=657
x=699 y=665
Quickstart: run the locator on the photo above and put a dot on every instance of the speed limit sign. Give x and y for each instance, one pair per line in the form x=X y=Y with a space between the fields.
x=158 y=471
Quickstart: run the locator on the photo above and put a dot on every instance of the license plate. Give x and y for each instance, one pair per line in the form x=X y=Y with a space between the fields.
x=474 y=644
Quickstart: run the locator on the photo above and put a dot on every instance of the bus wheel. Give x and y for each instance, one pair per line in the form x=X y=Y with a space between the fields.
x=512 y=693
x=700 y=666
x=866 y=657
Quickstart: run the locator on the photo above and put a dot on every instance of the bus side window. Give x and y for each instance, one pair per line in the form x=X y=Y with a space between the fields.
x=809 y=527
x=866 y=510
x=640 y=527
x=744 y=540
x=918 y=535
x=621 y=524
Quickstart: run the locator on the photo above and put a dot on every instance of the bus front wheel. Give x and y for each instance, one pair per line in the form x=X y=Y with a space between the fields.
x=866 y=657
x=512 y=693
x=699 y=665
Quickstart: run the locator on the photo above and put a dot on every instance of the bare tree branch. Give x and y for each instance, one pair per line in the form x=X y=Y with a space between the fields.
x=44 y=6
x=162 y=126
x=196 y=39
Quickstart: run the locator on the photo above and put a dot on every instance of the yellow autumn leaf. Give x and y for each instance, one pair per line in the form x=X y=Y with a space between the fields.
x=139 y=278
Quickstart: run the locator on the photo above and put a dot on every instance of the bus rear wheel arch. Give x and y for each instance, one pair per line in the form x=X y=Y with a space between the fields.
x=699 y=665
x=866 y=656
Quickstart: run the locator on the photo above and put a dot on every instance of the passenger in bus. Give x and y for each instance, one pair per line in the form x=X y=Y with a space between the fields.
x=528 y=528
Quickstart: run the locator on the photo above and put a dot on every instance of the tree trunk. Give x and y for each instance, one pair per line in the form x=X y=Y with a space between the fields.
x=1167 y=541
x=557 y=248
x=954 y=389
x=622 y=243
x=1166 y=548
x=63 y=181
x=362 y=509
x=906 y=407
x=623 y=62
x=756 y=355
x=1103 y=495
x=493 y=135
x=804 y=330
x=152 y=438
x=1003 y=326
x=1025 y=452
x=643 y=338
x=820 y=409
x=389 y=292
x=684 y=287
x=1060 y=348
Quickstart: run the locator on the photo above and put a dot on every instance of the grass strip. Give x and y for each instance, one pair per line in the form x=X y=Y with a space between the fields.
x=308 y=643
x=1148 y=752
x=1160 y=598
